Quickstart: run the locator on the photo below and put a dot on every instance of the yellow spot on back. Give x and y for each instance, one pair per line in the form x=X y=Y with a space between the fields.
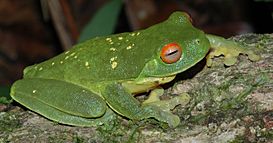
x=75 y=57
x=66 y=57
x=86 y=64
x=34 y=91
x=113 y=62
x=52 y=63
x=108 y=39
x=72 y=54
x=114 y=65
x=138 y=33
x=113 y=49
x=120 y=38
x=113 y=58
x=129 y=47
x=133 y=34
x=61 y=62
x=41 y=68
x=66 y=52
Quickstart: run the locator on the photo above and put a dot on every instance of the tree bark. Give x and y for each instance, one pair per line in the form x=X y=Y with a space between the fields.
x=228 y=104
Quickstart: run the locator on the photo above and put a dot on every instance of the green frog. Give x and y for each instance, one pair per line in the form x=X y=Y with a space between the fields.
x=95 y=79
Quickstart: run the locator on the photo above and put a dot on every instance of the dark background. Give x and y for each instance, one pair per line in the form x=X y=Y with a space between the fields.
x=28 y=31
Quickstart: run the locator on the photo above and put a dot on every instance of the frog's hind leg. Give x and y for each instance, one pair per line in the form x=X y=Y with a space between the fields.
x=121 y=101
x=60 y=101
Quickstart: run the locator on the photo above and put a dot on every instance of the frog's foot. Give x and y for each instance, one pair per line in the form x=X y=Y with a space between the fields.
x=121 y=101
x=154 y=95
x=230 y=49
x=166 y=105
x=156 y=112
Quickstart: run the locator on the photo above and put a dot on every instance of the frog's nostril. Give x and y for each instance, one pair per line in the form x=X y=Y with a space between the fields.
x=197 y=41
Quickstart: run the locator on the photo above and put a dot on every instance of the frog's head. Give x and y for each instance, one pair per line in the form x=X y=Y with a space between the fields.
x=180 y=47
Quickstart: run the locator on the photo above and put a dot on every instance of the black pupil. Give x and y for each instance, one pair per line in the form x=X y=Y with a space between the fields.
x=172 y=53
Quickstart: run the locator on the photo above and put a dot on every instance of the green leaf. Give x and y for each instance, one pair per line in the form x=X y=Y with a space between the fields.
x=4 y=95
x=104 y=21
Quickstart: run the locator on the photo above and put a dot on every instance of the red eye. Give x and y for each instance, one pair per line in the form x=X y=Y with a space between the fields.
x=171 y=53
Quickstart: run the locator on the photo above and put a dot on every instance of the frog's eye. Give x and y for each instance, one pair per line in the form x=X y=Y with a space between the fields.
x=171 y=53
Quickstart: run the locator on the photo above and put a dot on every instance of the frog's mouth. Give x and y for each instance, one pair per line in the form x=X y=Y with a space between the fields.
x=156 y=80
x=145 y=84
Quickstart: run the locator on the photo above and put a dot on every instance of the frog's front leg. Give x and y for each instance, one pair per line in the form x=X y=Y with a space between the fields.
x=121 y=101
x=230 y=49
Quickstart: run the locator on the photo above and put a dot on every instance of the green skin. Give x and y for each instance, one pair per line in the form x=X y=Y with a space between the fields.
x=80 y=86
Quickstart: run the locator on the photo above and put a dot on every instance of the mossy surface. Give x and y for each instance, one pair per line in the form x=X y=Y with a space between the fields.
x=228 y=104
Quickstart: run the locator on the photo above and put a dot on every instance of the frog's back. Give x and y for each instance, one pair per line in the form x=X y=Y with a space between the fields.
x=118 y=57
x=111 y=58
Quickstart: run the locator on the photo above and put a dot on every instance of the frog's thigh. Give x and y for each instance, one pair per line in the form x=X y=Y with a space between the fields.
x=125 y=104
x=59 y=96
x=69 y=119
